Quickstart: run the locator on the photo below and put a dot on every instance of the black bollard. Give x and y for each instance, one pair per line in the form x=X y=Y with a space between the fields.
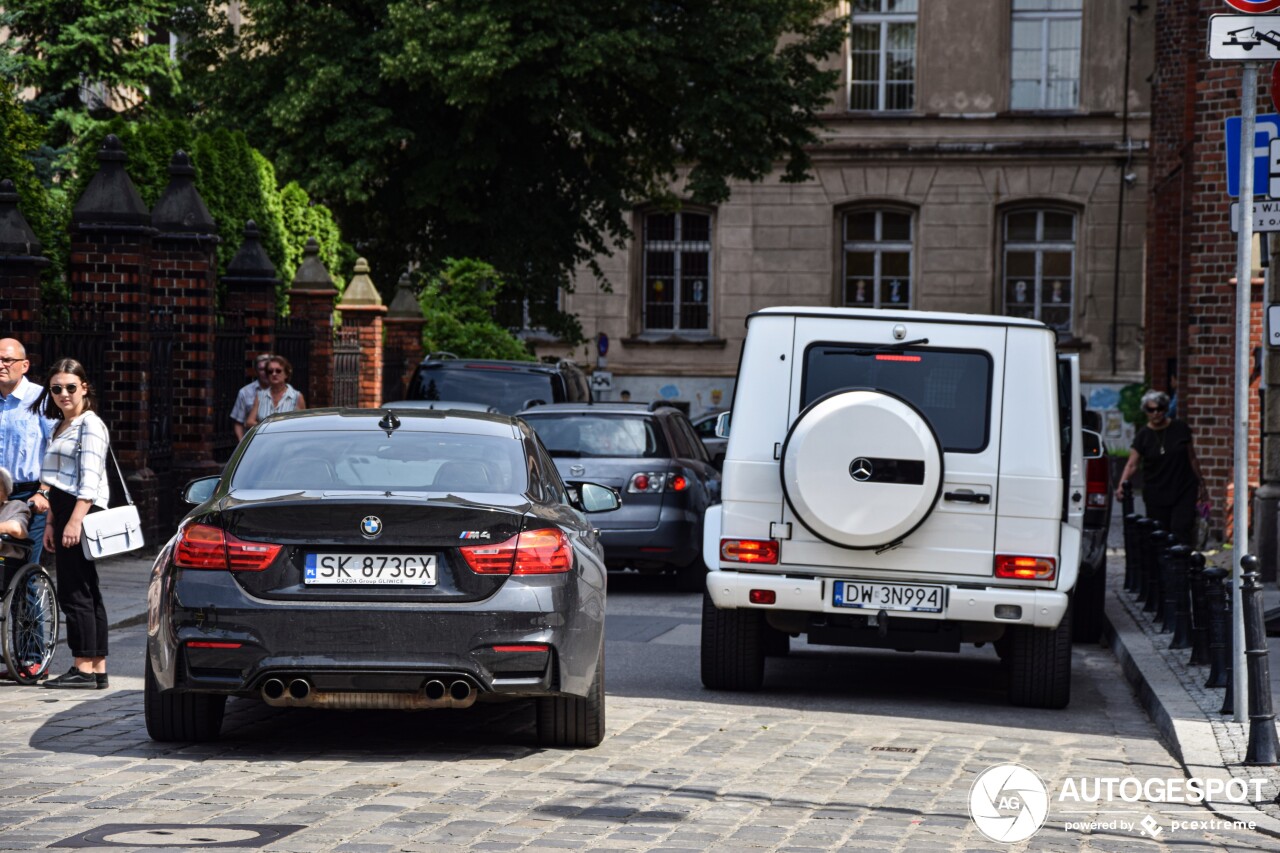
x=1164 y=604
x=1132 y=553
x=1177 y=597
x=1262 y=719
x=1147 y=528
x=1154 y=604
x=1215 y=604
x=1199 y=612
x=1126 y=498
x=1229 y=698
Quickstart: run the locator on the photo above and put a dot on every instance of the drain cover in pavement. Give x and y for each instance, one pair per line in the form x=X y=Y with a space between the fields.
x=178 y=835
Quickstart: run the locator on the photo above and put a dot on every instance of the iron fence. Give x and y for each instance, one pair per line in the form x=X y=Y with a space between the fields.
x=230 y=353
x=346 y=368
x=293 y=341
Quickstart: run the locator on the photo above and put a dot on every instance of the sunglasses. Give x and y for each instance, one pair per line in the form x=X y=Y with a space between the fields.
x=70 y=389
x=9 y=362
x=275 y=370
x=1153 y=409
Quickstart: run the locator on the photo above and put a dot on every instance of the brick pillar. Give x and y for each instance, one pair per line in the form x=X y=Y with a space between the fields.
x=311 y=298
x=20 y=265
x=250 y=283
x=183 y=281
x=362 y=309
x=403 y=338
x=110 y=281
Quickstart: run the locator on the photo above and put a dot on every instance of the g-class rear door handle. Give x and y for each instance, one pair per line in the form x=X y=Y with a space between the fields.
x=967 y=497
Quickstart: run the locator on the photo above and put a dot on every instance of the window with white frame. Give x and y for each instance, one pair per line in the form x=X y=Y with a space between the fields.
x=882 y=55
x=1039 y=266
x=1046 y=55
x=877 y=259
x=677 y=272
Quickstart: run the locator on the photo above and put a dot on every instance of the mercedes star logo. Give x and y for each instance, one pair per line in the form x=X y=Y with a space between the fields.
x=371 y=527
x=860 y=469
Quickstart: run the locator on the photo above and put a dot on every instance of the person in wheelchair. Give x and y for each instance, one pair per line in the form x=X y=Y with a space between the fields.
x=15 y=519
x=27 y=641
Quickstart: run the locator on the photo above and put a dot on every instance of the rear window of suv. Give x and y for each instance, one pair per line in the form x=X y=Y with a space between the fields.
x=508 y=388
x=951 y=387
x=618 y=436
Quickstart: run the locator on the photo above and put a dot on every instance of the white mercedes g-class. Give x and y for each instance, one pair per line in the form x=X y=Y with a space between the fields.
x=907 y=481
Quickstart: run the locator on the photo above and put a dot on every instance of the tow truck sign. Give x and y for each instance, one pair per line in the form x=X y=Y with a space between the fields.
x=1253 y=37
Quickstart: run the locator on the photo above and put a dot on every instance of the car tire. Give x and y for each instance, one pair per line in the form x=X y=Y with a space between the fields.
x=1090 y=600
x=574 y=722
x=1040 y=665
x=174 y=716
x=733 y=647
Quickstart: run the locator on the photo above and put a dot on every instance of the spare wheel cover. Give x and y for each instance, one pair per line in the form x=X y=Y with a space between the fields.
x=861 y=469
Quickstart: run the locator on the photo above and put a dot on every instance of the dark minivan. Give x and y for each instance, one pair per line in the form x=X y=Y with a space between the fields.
x=508 y=386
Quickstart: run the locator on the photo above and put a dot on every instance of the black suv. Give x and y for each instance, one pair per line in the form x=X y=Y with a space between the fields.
x=508 y=386
x=652 y=456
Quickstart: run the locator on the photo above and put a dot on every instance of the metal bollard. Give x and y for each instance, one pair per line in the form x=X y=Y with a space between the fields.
x=1216 y=605
x=1199 y=611
x=1262 y=719
x=1178 y=598
x=1155 y=595
x=1164 y=610
x=1229 y=698
x=1132 y=553
x=1146 y=586
x=1126 y=497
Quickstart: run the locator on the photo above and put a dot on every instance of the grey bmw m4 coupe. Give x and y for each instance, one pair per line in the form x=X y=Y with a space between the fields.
x=407 y=559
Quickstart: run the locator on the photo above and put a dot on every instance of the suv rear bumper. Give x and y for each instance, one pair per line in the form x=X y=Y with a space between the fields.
x=1041 y=608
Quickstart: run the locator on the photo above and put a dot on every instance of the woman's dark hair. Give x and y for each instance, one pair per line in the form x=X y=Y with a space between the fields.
x=44 y=403
x=283 y=362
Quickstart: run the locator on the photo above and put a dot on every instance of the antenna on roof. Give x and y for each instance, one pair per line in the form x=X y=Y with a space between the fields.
x=389 y=422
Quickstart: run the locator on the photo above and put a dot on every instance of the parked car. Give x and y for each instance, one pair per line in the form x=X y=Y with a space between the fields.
x=909 y=481
x=654 y=458
x=362 y=558
x=1091 y=589
x=705 y=426
x=508 y=386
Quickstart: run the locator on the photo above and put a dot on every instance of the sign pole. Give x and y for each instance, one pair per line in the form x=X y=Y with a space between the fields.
x=1244 y=276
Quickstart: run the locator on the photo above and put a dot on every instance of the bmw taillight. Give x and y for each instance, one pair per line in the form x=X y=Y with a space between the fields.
x=654 y=482
x=533 y=552
x=205 y=546
x=1096 y=483
x=1025 y=568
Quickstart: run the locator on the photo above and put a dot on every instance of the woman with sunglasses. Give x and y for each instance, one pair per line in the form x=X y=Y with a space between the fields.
x=279 y=395
x=1171 y=479
x=73 y=478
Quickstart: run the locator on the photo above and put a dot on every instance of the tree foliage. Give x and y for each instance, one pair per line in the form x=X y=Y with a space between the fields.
x=458 y=303
x=519 y=131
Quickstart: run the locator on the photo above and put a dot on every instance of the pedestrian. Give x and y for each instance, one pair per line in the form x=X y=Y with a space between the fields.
x=15 y=520
x=279 y=395
x=625 y=396
x=248 y=395
x=24 y=436
x=1171 y=478
x=74 y=478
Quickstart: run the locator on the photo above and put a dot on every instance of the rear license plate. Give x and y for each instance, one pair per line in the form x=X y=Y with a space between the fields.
x=370 y=569
x=889 y=596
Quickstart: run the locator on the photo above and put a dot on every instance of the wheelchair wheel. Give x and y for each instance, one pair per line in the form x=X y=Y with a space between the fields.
x=30 y=620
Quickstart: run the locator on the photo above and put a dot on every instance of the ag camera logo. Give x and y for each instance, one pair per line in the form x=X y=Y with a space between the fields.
x=1008 y=803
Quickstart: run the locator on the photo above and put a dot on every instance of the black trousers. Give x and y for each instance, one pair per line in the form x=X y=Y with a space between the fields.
x=78 y=592
x=1179 y=517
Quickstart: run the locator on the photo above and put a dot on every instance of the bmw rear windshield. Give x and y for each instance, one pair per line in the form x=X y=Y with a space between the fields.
x=619 y=436
x=508 y=388
x=952 y=388
x=370 y=460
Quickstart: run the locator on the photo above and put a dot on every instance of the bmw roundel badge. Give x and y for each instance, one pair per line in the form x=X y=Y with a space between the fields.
x=371 y=527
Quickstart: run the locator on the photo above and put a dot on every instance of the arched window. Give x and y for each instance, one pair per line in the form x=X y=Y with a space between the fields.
x=878 y=249
x=677 y=272
x=1039 y=266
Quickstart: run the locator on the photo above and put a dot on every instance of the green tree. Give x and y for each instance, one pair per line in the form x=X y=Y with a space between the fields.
x=519 y=131
x=458 y=303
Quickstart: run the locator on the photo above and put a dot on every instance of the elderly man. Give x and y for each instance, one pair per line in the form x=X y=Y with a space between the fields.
x=24 y=435
x=248 y=395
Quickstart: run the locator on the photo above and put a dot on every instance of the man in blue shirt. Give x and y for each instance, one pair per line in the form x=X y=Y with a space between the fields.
x=24 y=435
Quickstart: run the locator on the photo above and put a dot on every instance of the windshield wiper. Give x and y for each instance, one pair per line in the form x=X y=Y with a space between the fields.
x=874 y=350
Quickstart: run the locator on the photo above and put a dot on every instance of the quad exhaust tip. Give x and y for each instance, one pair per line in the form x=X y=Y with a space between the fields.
x=272 y=689
x=299 y=689
x=299 y=693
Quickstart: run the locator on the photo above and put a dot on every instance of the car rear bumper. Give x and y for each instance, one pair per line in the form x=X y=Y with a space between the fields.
x=674 y=541
x=1038 y=607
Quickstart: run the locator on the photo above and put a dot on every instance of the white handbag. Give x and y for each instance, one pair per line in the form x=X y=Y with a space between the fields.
x=112 y=531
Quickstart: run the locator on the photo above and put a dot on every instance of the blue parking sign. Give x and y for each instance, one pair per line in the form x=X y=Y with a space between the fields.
x=1267 y=128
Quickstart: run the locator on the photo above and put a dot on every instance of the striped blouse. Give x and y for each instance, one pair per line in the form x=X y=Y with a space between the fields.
x=76 y=461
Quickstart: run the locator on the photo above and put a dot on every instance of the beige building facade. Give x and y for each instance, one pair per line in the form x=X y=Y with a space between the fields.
x=983 y=156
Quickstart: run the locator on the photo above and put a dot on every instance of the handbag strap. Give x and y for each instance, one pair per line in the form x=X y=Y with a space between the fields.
x=110 y=452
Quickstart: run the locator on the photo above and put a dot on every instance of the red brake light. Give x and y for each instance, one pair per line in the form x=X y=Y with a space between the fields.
x=533 y=552
x=1025 y=568
x=889 y=357
x=762 y=596
x=208 y=644
x=640 y=483
x=749 y=550
x=678 y=483
x=204 y=546
x=1096 y=482
x=521 y=647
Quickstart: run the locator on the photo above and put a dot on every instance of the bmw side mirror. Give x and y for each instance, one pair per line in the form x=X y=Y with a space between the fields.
x=722 y=425
x=1091 y=444
x=593 y=497
x=200 y=490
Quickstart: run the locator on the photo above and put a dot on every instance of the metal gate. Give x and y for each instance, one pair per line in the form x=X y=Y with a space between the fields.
x=293 y=341
x=86 y=342
x=346 y=368
x=393 y=370
x=160 y=420
x=230 y=349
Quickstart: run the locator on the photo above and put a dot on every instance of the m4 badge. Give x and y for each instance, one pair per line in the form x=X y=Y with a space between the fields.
x=474 y=534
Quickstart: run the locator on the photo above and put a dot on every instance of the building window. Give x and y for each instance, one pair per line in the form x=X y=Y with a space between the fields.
x=882 y=55
x=1039 y=266
x=677 y=272
x=877 y=259
x=1046 y=55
